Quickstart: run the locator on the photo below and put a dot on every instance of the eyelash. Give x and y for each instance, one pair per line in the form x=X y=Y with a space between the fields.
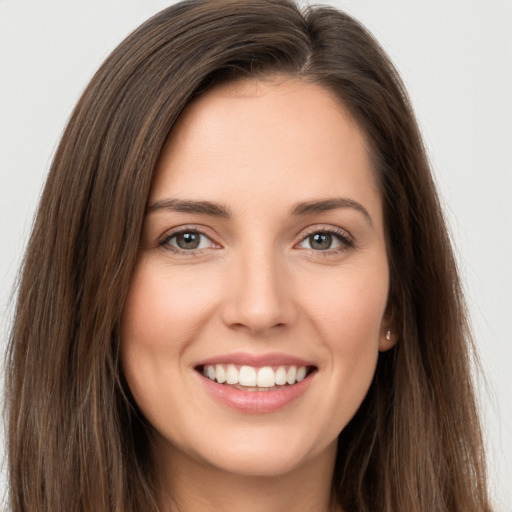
x=345 y=240
x=165 y=242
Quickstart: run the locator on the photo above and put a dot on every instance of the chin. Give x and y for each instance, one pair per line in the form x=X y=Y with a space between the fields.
x=259 y=465
x=256 y=455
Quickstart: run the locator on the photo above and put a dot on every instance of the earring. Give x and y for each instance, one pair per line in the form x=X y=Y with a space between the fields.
x=388 y=335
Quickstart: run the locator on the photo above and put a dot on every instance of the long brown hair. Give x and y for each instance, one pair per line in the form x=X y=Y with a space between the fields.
x=76 y=439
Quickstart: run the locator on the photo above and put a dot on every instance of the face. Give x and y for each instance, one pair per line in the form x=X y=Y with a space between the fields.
x=253 y=323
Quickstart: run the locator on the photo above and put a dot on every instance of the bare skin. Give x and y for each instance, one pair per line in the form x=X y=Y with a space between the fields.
x=307 y=489
x=264 y=241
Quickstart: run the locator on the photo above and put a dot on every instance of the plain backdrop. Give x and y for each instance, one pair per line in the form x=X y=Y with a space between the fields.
x=455 y=57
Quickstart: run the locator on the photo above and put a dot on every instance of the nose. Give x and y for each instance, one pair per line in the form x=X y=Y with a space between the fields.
x=259 y=294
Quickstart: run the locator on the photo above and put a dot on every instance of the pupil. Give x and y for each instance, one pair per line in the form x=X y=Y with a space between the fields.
x=188 y=241
x=321 y=241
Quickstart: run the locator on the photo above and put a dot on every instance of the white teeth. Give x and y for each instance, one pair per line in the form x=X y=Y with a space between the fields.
x=220 y=374
x=291 y=374
x=248 y=376
x=231 y=374
x=266 y=377
x=301 y=373
x=281 y=376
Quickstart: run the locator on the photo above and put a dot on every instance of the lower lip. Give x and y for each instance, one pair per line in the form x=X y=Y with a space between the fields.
x=256 y=402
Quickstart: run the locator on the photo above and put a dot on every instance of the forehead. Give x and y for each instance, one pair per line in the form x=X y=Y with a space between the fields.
x=291 y=106
x=253 y=137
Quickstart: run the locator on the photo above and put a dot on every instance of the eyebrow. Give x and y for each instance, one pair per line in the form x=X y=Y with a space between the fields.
x=187 y=206
x=325 y=205
x=217 y=210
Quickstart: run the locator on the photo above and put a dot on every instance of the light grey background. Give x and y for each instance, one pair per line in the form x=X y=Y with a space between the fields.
x=456 y=59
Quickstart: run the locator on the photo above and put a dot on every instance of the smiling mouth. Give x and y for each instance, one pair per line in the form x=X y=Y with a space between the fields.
x=250 y=378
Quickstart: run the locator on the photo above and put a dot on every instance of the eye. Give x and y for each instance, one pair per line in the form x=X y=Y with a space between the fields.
x=325 y=240
x=188 y=240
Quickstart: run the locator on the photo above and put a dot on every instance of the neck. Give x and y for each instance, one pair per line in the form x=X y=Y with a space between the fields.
x=188 y=485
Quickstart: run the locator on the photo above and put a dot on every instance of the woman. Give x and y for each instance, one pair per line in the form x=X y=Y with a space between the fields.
x=241 y=201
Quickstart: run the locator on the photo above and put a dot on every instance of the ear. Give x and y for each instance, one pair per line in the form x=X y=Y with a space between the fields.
x=388 y=331
x=387 y=339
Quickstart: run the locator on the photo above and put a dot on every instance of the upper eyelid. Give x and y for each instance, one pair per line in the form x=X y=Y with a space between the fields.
x=303 y=233
x=170 y=234
x=324 y=228
x=165 y=243
x=344 y=237
x=203 y=230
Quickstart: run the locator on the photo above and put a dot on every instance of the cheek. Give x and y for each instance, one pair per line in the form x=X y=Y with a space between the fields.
x=162 y=315
x=348 y=313
x=349 y=308
x=164 y=308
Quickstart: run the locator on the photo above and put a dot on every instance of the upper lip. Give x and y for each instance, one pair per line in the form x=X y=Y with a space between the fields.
x=256 y=360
